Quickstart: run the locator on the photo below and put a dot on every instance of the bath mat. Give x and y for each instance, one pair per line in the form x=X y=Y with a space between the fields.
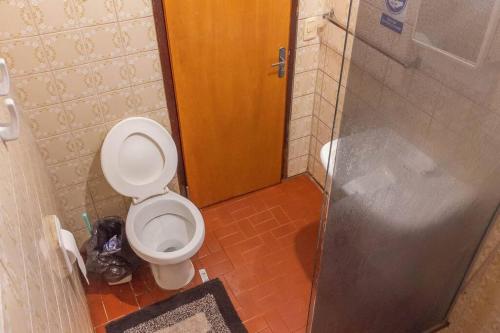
x=206 y=308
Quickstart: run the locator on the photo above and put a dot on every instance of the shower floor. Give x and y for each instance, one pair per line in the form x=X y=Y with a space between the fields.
x=261 y=246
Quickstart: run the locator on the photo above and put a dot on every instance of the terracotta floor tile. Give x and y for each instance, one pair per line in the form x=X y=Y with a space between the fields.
x=275 y=322
x=226 y=230
x=212 y=243
x=262 y=247
x=219 y=269
x=213 y=258
x=260 y=217
x=247 y=227
x=266 y=226
x=256 y=324
x=97 y=312
x=242 y=213
x=279 y=215
x=284 y=230
x=100 y=329
x=232 y=239
x=119 y=301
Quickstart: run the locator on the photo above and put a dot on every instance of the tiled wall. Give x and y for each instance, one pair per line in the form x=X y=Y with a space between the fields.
x=81 y=66
x=450 y=111
x=78 y=67
x=305 y=93
x=36 y=293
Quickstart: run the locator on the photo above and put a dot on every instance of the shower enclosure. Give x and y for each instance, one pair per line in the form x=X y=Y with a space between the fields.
x=416 y=181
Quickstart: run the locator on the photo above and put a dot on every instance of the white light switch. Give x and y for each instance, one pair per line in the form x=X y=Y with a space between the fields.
x=311 y=27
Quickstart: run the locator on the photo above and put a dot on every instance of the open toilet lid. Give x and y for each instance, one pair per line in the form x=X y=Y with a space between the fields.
x=139 y=158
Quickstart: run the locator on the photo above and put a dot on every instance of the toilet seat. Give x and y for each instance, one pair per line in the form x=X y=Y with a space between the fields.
x=139 y=158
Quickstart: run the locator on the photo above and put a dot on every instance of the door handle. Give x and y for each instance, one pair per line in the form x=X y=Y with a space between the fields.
x=9 y=132
x=282 y=62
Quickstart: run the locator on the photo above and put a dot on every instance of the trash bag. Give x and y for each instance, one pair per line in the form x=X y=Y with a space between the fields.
x=108 y=251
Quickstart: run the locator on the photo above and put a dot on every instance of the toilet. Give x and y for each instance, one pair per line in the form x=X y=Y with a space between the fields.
x=139 y=159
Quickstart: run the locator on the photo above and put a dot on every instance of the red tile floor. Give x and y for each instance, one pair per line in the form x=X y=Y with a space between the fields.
x=261 y=245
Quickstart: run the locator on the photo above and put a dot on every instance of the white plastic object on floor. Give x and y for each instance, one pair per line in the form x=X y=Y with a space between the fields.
x=203 y=275
x=5 y=78
x=10 y=131
x=139 y=159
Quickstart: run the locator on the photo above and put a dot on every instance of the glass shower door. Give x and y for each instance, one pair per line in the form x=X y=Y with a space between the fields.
x=416 y=180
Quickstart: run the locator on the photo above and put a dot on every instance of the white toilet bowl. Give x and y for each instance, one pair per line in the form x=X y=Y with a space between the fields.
x=139 y=159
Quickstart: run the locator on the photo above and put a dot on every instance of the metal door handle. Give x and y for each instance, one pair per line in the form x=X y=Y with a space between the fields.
x=282 y=62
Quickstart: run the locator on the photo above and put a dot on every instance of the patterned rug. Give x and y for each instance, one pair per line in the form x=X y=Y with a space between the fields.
x=206 y=308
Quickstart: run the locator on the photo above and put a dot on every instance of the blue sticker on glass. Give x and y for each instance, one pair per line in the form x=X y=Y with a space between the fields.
x=396 y=6
x=391 y=23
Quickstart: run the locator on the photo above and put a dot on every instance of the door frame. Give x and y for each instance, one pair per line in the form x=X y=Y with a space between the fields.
x=168 y=85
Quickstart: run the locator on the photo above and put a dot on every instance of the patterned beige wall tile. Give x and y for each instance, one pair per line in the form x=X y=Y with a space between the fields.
x=114 y=206
x=304 y=83
x=65 y=174
x=298 y=147
x=112 y=74
x=145 y=67
x=139 y=35
x=319 y=172
x=309 y=8
x=49 y=121
x=334 y=38
x=103 y=41
x=59 y=148
x=302 y=106
x=73 y=218
x=324 y=133
x=36 y=90
x=307 y=58
x=15 y=19
x=330 y=89
x=333 y=64
x=100 y=190
x=94 y=12
x=83 y=112
x=326 y=112
x=73 y=196
x=151 y=96
x=117 y=104
x=90 y=167
x=52 y=16
x=24 y=56
x=75 y=82
x=89 y=140
x=160 y=116
x=130 y=9
x=300 y=127
x=297 y=165
x=65 y=48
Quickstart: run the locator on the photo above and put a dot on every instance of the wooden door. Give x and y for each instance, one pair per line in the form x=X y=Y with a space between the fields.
x=230 y=100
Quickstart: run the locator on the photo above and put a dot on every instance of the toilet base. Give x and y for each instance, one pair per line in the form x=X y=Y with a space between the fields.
x=173 y=277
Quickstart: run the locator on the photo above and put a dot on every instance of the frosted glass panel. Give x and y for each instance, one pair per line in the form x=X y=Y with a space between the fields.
x=416 y=180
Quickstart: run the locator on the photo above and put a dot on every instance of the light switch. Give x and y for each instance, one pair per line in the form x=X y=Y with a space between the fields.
x=311 y=27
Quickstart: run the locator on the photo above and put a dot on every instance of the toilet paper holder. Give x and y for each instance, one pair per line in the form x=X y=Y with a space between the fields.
x=69 y=248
